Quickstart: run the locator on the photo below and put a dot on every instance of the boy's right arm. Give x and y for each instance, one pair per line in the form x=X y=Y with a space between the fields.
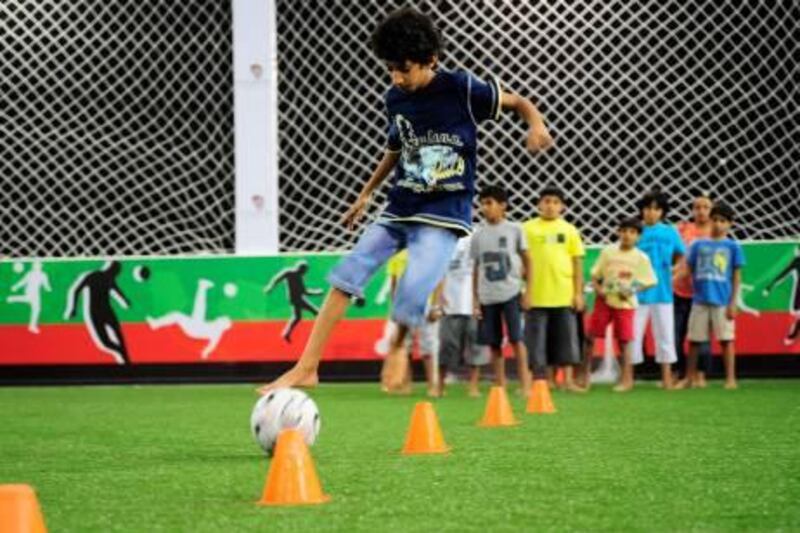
x=356 y=211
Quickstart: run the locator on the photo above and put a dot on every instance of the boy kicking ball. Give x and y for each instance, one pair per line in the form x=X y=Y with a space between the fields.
x=431 y=147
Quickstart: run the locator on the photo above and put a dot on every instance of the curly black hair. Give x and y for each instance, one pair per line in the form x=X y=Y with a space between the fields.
x=407 y=34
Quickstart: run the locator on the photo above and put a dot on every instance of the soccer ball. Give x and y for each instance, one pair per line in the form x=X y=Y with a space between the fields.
x=283 y=409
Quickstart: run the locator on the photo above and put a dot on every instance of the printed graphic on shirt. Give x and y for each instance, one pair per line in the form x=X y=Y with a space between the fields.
x=429 y=159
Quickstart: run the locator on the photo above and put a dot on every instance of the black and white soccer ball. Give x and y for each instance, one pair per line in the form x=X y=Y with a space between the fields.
x=284 y=409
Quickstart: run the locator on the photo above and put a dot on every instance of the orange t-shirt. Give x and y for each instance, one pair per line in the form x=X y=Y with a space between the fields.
x=682 y=281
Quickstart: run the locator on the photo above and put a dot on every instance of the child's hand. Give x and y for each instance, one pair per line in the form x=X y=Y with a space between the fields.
x=730 y=312
x=356 y=212
x=539 y=140
x=577 y=302
x=435 y=313
x=523 y=301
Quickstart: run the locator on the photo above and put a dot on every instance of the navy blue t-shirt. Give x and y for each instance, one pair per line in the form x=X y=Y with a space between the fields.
x=435 y=130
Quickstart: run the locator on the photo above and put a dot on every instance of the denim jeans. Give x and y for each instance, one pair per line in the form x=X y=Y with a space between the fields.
x=430 y=249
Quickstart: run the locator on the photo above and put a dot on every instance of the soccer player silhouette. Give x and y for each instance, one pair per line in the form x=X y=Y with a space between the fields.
x=97 y=288
x=34 y=281
x=794 y=306
x=197 y=326
x=296 y=291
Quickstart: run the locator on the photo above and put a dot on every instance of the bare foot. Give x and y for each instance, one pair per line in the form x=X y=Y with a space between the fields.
x=730 y=385
x=296 y=376
x=701 y=382
x=434 y=393
x=623 y=387
x=396 y=369
x=404 y=389
x=572 y=387
x=474 y=393
x=682 y=384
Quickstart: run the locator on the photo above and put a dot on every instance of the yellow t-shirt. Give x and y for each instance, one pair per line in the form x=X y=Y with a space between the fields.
x=552 y=247
x=622 y=274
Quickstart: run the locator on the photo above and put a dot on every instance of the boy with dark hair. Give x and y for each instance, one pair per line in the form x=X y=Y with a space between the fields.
x=555 y=288
x=432 y=143
x=664 y=247
x=501 y=271
x=716 y=267
x=619 y=273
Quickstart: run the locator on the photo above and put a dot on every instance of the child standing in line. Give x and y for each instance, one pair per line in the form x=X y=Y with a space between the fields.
x=619 y=273
x=716 y=267
x=501 y=271
x=664 y=247
x=555 y=289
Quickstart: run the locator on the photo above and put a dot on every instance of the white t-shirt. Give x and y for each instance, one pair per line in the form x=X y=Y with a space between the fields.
x=458 y=281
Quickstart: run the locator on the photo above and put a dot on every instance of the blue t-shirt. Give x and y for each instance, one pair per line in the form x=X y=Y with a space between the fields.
x=660 y=242
x=435 y=130
x=712 y=263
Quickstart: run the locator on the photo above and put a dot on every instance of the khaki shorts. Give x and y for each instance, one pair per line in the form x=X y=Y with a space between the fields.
x=706 y=318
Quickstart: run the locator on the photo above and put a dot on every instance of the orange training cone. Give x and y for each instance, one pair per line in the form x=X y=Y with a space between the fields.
x=498 y=411
x=292 y=478
x=539 y=401
x=424 y=433
x=19 y=510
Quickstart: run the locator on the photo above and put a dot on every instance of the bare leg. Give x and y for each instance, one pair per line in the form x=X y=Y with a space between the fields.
x=666 y=376
x=304 y=372
x=626 y=381
x=691 y=378
x=585 y=369
x=551 y=377
x=499 y=366
x=521 y=354
x=569 y=380
x=397 y=367
x=474 y=379
x=427 y=362
x=729 y=356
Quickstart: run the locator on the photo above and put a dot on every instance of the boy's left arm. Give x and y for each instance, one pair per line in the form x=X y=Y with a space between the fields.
x=526 y=277
x=730 y=311
x=577 y=281
x=539 y=138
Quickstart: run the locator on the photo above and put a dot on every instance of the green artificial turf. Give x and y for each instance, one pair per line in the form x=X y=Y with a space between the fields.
x=181 y=458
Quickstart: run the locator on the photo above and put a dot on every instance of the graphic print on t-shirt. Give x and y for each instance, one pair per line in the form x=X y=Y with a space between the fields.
x=429 y=159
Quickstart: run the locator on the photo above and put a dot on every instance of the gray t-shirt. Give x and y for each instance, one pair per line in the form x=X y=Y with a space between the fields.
x=495 y=248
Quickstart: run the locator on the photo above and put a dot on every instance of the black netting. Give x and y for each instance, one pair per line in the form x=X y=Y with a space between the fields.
x=117 y=127
x=689 y=96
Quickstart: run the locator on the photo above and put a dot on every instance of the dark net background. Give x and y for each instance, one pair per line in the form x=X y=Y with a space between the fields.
x=688 y=96
x=116 y=127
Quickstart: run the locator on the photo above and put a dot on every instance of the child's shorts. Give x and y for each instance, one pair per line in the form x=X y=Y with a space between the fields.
x=458 y=337
x=551 y=337
x=430 y=249
x=490 y=327
x=603 y=315
x=427 y=336
x=706 y=318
